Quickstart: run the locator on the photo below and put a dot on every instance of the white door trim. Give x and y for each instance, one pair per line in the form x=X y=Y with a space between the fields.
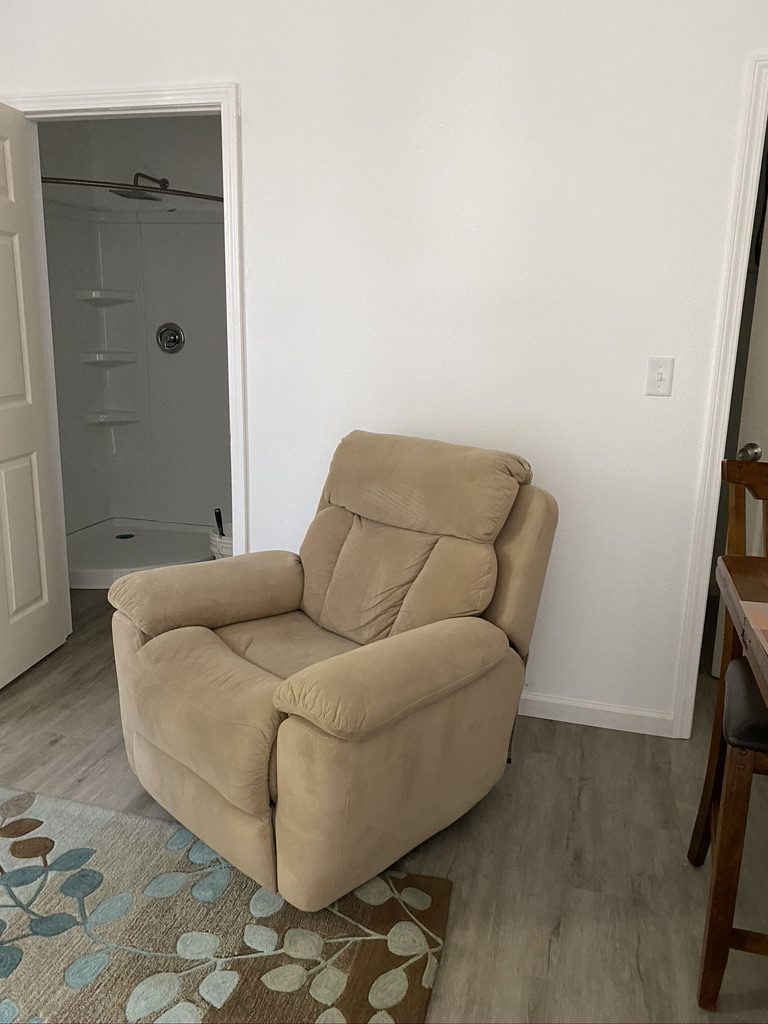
x=708 y=494
x=188 y=99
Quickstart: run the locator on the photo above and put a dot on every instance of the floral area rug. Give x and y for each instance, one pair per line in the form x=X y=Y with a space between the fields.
x=111 y=917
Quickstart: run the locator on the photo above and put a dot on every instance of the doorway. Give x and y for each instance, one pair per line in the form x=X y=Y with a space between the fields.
x=747 y=434
x=134 y=227
x=717 y=412
x=36 y=617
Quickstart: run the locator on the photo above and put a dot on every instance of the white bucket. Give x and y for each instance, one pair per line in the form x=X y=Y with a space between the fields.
x=221 y=547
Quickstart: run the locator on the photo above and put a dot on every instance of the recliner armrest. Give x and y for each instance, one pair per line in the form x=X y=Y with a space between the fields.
x=360 y=692
x=212 y=594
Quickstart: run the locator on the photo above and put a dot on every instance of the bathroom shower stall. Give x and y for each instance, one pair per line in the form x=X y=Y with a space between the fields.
x=135 y=249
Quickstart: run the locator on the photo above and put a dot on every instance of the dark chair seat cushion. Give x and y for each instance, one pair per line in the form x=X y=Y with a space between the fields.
x=745 y=719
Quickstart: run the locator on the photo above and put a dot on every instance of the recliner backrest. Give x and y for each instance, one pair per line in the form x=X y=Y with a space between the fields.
x=404 y=534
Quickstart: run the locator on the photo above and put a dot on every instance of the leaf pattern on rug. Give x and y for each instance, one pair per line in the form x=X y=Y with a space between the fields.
x=308 y=960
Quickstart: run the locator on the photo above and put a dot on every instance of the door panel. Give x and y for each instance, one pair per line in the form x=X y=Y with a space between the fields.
x=14 y=374
x=6 y=189
x=34 y=600
x=22 y=535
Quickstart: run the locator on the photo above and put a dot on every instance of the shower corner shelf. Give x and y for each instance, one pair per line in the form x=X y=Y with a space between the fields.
x=107 y=358
x=112 y=416
x=105 y=296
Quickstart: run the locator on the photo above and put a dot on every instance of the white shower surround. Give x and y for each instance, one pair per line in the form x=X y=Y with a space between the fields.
x=166 y=460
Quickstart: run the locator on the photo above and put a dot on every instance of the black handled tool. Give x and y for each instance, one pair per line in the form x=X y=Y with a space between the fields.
x=219 y=521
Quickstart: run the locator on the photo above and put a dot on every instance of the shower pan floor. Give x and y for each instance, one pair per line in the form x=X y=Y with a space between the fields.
x=98 y=554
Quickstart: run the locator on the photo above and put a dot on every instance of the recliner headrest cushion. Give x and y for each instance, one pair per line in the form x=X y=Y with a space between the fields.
x=426 y=486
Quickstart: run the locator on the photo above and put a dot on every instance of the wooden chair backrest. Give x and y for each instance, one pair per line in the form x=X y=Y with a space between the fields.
x=742 y=477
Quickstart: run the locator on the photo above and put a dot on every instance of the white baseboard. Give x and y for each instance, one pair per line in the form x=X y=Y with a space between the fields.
x=603 y=716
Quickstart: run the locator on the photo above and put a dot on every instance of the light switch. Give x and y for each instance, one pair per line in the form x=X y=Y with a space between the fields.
x=658 y=378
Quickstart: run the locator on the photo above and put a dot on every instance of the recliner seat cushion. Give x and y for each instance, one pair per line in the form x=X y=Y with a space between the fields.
x=283 y=644
x=405 y=533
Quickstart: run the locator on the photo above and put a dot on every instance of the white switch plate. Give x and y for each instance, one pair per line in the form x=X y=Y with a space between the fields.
x=658 y=377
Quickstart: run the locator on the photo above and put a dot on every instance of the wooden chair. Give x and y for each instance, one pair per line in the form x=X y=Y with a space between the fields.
x=738 y=748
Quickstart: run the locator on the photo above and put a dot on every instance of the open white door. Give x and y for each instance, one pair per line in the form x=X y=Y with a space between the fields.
x=34 y=601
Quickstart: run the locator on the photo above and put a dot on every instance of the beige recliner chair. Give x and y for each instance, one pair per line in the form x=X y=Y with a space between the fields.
x=313 y=717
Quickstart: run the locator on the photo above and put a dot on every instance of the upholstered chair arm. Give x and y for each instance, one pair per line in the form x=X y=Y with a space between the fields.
x=211 y=594
x=366 y=690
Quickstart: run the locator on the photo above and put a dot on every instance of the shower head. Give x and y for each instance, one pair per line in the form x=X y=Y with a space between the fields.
x=142 y=191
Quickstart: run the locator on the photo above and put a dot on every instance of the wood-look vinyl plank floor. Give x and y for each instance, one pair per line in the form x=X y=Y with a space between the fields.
x=60 y=722
x=572 y=896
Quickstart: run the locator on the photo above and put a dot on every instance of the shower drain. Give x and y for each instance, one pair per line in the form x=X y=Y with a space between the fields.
x=124 y=536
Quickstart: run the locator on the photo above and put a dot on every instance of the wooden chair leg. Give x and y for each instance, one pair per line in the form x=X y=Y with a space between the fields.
x=726 y=865
x=710 y=791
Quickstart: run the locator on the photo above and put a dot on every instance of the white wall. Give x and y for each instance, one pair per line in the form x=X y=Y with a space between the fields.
x=475 y=221
x=172 y=464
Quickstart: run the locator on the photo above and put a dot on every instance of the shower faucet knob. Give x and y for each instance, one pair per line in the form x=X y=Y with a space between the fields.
x=170 y=337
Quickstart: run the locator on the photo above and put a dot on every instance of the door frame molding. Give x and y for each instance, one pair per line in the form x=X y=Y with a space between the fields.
x=708 y=491
x=217 y=98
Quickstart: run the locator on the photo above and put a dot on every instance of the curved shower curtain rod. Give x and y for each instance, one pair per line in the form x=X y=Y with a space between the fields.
x=130 y=187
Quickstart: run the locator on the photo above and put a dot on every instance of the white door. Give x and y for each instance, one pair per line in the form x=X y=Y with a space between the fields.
x=34 y=600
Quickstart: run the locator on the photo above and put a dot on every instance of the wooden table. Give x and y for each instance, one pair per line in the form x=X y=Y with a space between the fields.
x=743 y=583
